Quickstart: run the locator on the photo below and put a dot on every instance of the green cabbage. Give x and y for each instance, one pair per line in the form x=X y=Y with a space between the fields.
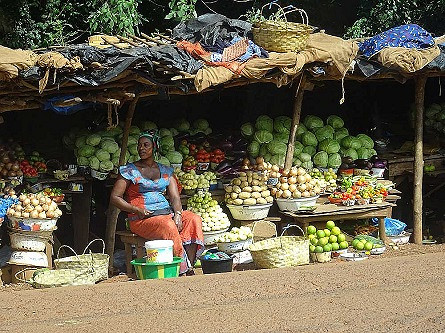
x=307 y=165
x=182 y=125
x=103 y=155
x=267 y=157
x=83 y=161
x=365 y=141
x=282 y=124
x=298 y=148
x=109 y=145
x=352 y=153
x=148 y=125
x=372 y=152
x=335 y=121
x=201 y=124
x=304 y=157
x=264 y=123
x=134 y=130
x=329 y=145
x=435 y=107
x=106 y=166
x=340 y=134
x=263 y=150
x=94 y=163
x=80 y=141
x=133 y=149
x=93 y=139
x=309 y=139
x=296 y=162
x=174 y=157
x=356 y=143
x=321 y=159
x=247 y=130
x=115 y=160
x=253 y=149
x=363 y=153
x=278 y=160
x=164 y=132
x=208 y=131
x=167 y=143
x=277 y=147
x=431 y=113
x=350 y=142
x=163 y=160
x=174 y=131
x=325 y=132
x=283 y=137
x=312 y=122
x=311 y=150
x=86 y=151
x=263 y=136
x=301 y=129
x=334 y=160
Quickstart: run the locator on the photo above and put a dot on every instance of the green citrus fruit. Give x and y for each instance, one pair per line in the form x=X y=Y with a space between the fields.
x=327 y=248
x=330 y=225
x=311 y=248
x=332 y=239
x=341 y=238
x=335 y=231
x=368 y=246
x=327 y=232
x=314 y=241
x=359 y=246
x=320 y=233
x=311 y=230
x=335 y=246
x=311 y=236
x=323 y=241
x=318 y=249
x=354 y=243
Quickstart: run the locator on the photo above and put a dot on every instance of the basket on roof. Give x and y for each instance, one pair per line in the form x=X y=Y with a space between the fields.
x=280 y=35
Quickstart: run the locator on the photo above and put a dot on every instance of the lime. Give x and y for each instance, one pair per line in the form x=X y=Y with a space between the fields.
x=314 y=241
x=368 y=246
x=332 y=239
x=336 y=231
x=330 y=225
x=320 y=233
x=359 y=246
x=318 y=249
x=341 y=238
x=354 y=243
x=323 y=241
x=311 y=230
x=327 y=248
x=343 y=245
x=327 y=232
x=335 y=246
x=311 y=248
x=310 y=236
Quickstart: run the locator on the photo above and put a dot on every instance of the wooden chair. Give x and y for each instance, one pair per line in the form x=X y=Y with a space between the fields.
x=129 y=239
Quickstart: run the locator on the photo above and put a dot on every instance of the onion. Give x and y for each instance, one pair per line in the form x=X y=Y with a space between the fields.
x=58 y=212
x=275 y=168
x=39 y=208
x=26 y=201
x=293 y=172
x=48 y=201
x=286 y=172
x=292 y=187
x=42 y=200
x=34 y=202
x=29 y=208
x=4 y=172
x=301 y=171
x=283 y=179
x=17 y=214
x=42 y=215
x=302 y=187
x=12 y=174
x=8 y=166
x=25 y=214
x=259 y=160
x=292 y=180
x=45 y=207
x=286 y=194
x=301 y=179
x=50 y=214
x=296 y=194
x=11 y=211
x=279 y=193
x=18 y=208
x=305 y=194
x=308 y=178
x=285 y=186
x=5 y=159
x=22 y=197
x=15 y=167
x=19 y=173
x=34 y=214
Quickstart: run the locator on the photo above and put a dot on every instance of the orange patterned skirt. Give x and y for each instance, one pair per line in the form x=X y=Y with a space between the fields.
x=163 y=227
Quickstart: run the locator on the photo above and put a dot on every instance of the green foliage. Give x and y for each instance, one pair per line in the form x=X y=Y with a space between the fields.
x=181 y=10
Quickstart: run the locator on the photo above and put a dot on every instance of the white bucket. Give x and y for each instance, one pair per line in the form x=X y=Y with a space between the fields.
x=159 y=251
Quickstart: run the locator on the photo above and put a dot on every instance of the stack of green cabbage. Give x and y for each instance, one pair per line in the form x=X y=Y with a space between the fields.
x=316 y=143
x=435 y=117
x=101 y=150
x=198 y=126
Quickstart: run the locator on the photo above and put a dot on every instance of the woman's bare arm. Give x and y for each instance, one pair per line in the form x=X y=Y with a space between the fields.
x=173 y=194
x=117 y=197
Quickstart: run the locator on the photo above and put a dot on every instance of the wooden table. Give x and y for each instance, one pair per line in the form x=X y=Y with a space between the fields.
x=326 y=212
x=399 y=164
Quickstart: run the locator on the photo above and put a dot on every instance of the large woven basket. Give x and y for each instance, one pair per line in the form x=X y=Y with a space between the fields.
x=281 y=35
x=96 y=262
x=46 y=278
x=283 y=251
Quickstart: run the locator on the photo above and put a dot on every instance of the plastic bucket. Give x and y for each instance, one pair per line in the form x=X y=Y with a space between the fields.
x=149 y=270
x=210 y=266
x=159 y=251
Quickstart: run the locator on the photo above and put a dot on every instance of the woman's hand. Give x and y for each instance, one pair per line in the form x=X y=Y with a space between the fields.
x=178 y=221
x=141 y=212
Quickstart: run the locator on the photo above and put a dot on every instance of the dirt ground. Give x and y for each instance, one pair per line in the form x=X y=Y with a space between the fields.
x=400 y=291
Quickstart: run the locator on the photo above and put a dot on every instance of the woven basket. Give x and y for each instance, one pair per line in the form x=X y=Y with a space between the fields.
x=96 y=262
x=282 y=36
x=45 y=278
x=283 y=251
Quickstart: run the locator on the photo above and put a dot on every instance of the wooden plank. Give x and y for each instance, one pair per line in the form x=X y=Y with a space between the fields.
x=418 y=158
x=295 y=122
x=81 y=210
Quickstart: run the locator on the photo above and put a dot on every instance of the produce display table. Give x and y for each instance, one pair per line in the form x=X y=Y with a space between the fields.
x=398 y=164
x=81 y=208
x=326 y=212
x=218 y=195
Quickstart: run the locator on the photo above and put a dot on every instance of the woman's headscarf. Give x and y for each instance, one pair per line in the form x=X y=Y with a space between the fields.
x=153 y=136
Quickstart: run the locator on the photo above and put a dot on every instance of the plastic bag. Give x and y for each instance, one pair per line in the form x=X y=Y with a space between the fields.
x=393 y=227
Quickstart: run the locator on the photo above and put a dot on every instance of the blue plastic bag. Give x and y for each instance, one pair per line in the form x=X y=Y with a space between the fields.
x=393 y=227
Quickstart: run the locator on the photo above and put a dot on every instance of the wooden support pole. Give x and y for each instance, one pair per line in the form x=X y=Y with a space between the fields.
x=420 y=83
x=295 y=122
x=113 y=212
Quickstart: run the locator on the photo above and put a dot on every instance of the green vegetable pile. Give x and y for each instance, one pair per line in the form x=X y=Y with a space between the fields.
x=435 y=117
x=318 y=143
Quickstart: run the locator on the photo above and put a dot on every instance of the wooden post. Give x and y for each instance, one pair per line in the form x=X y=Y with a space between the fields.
x=295 y=122
x=420 y=83
x=113 y=212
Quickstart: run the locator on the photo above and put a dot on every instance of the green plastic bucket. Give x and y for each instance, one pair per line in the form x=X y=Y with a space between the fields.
x=150 y=270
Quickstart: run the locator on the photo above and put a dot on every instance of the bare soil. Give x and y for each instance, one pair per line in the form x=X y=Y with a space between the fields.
x=399 y=291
